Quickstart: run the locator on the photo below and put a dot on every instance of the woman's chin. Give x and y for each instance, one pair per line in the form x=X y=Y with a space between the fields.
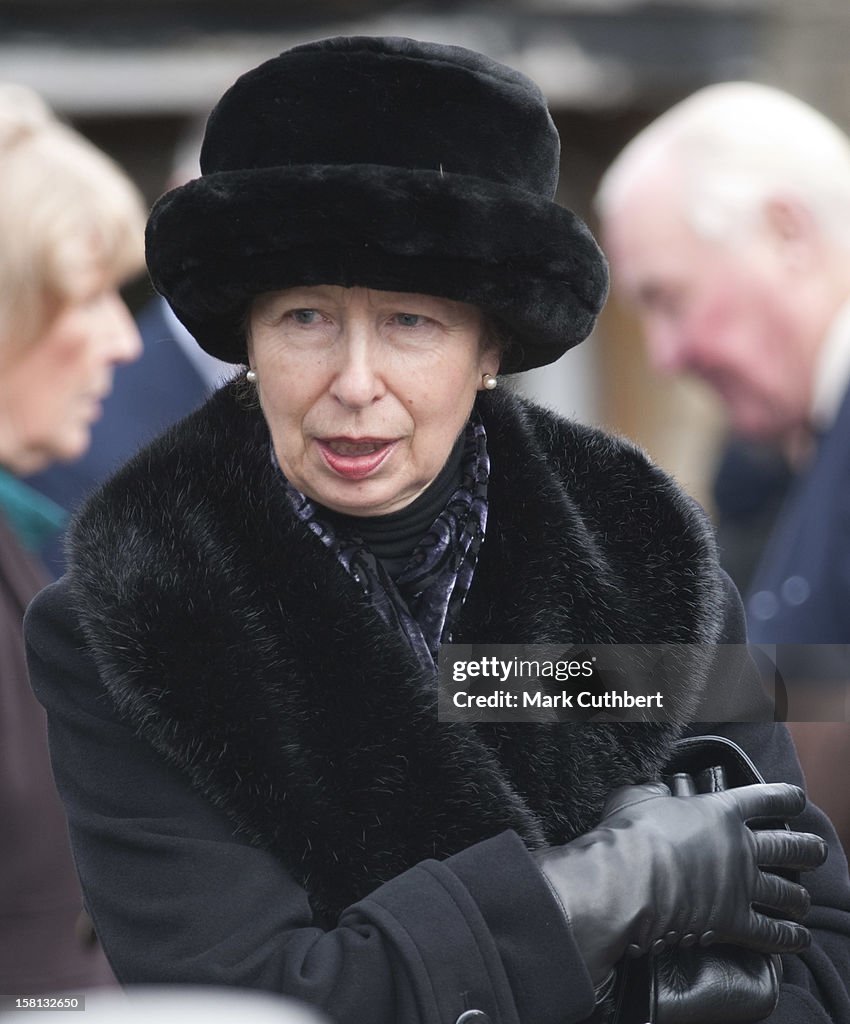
x=361 y=504
x=72 y=445
x=362 y=497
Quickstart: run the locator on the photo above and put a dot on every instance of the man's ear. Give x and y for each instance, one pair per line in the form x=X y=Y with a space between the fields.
x=793 y=230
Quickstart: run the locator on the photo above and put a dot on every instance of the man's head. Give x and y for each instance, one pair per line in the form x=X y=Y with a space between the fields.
x=727 y=222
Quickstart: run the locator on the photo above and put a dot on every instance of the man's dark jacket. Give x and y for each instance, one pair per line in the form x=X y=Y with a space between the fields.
x=800 y=594
x=259 y=790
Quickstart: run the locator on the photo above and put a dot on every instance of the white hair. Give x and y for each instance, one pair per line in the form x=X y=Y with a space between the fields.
x=736 y=145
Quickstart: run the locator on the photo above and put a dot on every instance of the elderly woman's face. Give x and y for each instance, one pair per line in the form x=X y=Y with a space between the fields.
x=53 y=390
x=365 y=392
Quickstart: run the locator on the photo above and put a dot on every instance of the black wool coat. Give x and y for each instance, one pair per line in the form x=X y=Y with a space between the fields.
x=259 y=791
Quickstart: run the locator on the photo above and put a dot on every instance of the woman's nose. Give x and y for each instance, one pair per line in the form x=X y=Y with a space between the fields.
x=358 y=380
x=124 y=343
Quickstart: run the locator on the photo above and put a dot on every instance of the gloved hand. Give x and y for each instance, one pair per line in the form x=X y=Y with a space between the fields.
x=660 y=870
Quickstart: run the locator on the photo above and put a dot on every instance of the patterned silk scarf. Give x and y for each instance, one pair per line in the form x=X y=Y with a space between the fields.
x=430 y=590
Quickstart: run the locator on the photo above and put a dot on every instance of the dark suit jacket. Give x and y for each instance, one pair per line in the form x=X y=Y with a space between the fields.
x=149 y=395
x=751 y=483
x=42 y=947
x=801 y=595
x=801 y=590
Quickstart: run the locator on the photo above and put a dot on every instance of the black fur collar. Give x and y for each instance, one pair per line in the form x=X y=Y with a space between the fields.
x=247 y=657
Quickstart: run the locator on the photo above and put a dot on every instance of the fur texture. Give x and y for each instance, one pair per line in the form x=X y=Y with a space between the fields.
x=385 y=163
x=248 y=658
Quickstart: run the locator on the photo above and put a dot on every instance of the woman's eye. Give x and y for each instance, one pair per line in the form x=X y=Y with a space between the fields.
x=409 y=319
x=92 y=302
x=305 y=316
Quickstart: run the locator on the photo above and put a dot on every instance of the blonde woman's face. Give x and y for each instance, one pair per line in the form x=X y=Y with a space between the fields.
x=52 y=392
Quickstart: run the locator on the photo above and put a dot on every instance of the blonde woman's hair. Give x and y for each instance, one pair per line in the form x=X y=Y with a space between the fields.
x=65 y=207
x=736 y=145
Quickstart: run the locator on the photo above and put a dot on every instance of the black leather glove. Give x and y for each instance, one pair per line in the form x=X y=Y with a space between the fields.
x=706 y=986
x=662 y=870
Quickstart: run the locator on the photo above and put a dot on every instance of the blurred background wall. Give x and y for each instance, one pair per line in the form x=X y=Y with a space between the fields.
x=133 y=74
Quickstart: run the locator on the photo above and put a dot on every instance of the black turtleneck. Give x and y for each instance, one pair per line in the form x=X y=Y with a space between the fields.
x=393 y=537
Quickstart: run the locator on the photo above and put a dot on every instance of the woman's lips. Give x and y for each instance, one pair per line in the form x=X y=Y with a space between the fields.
x=354 y=457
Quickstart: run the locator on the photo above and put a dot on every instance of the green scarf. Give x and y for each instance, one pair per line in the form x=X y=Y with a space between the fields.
x=33 y=517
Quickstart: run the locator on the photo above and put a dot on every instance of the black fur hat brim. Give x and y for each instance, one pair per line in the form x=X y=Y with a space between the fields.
x=217 y=242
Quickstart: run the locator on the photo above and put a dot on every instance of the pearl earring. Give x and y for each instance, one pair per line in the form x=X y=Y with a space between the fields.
x=251 y=376
x=488 y=382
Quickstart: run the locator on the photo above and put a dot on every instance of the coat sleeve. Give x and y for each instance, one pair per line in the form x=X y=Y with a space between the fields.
x=816 y=984
x=177 y=898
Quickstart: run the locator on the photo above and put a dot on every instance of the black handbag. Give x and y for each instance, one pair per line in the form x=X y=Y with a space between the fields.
x=701 y=985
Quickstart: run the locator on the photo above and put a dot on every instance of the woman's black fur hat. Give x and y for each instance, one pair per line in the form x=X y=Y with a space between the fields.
x=387 y=163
